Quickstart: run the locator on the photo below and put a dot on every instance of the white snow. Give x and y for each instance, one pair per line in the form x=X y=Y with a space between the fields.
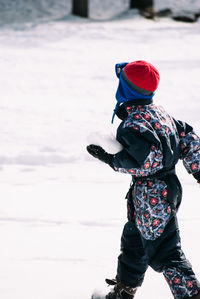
x=179 y=6
x=107 y=9
x=61 y=211
x=19 y=11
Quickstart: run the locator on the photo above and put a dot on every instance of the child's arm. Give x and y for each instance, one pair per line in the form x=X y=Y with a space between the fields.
x=138 y=157
x=189 y=148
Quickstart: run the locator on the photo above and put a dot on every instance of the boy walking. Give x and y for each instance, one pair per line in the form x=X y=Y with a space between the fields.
x=153 y=142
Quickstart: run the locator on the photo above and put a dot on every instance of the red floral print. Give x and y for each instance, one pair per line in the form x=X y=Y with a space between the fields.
x=194 y=166
x=156 y=222
x=165 y=193
x=153 y=201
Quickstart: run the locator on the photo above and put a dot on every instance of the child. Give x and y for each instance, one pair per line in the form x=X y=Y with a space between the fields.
x=153 y=142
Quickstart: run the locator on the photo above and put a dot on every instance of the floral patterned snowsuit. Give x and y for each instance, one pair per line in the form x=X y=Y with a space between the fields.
x=153 y=142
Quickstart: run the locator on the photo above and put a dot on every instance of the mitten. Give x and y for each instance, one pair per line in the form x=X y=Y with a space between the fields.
x=98 y=152
x=197 y=176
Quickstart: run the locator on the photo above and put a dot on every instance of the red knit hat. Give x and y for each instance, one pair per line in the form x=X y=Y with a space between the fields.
x=143 y=74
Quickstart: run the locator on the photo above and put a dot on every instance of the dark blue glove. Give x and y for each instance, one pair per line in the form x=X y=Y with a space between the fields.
x=98 y=152
x=197 y=176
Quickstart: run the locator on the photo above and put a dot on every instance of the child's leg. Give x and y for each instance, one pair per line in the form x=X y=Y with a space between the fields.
x=182 y=281
x=170 y=259
x=132 y=262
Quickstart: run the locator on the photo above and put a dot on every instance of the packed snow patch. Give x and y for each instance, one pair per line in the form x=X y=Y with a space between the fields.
x=105 y=139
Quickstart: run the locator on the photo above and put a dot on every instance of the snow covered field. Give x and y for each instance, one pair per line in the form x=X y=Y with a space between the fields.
x=61 y=211
x=180 y=6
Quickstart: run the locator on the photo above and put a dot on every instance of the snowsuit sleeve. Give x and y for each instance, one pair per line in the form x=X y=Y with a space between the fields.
x=139 y=156
x=189 y=148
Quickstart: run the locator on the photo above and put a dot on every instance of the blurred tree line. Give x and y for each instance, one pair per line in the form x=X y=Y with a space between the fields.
x=81 y=7
x=146 y=8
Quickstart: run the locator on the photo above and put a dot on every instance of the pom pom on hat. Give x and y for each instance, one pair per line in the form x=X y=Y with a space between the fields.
x=143 y=74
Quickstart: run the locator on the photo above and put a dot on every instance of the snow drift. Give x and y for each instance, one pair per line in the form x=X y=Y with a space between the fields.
x=179 y=6
x=107 y=9
x=18 y=11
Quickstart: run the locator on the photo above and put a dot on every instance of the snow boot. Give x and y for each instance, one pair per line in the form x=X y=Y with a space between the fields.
x=120 y=291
